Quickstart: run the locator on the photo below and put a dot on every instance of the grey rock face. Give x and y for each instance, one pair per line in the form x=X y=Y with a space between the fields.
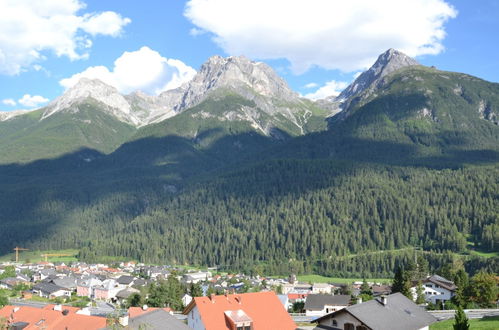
x=388 y=62
x=253 y=80
x=113 y=102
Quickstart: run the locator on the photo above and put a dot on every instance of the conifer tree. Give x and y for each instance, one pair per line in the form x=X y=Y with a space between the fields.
x=460 y=320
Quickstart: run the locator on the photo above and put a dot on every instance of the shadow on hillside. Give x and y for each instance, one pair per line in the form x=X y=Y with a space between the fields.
x=36 y=199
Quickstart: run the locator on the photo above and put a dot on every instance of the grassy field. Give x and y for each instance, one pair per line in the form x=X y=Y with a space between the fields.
x=323 y=279
x=487 y=323
x=36 y=256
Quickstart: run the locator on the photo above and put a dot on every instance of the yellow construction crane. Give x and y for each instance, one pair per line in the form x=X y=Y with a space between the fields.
x=17 y=249
x=47 y=255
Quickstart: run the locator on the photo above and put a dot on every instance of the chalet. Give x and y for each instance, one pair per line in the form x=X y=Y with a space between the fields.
x=393 y=312
x=255 y=311
x=50 y=290
x=437 y=289
x=66 y=282
x=322 y=304
x=125 y=280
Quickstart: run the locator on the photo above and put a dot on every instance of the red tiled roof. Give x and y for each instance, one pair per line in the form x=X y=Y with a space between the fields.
x=136 y=311
x=51 y=320
x=264 y=308
x=297 y=295
x=71 y=309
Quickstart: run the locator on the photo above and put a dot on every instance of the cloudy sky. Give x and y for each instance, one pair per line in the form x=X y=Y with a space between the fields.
x=318 y=46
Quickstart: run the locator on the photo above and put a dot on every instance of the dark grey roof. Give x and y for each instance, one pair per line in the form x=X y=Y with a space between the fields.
x=139 y=282
x=65 y=282
x=48 y=271
x=158 y=319
x=125 y=279
x=443 y=282
x=47 y=287
x=125 y=293
x=398 y=313
x=318 y=301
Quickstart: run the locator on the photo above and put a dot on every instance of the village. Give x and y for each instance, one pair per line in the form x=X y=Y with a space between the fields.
x=131 y=295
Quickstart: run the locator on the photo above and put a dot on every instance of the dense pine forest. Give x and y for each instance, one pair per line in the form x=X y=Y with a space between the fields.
x=333 y=218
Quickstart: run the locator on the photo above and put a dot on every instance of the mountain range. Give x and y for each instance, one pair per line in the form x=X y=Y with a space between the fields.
x=234 y=168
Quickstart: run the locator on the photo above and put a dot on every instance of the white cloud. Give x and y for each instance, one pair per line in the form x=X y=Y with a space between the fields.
x=32 y=101
x=311 y=85
x=30 y=30
x=10 y=102
x=331 y=88
x=144 y=69
x=345 y=35
x=106 y=23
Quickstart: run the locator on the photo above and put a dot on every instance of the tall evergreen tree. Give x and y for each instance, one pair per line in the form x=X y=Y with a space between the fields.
x=460 y=320
x=401 y=283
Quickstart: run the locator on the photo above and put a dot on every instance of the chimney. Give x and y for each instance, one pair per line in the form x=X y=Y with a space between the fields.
x=359 y=300
x=58 y=308
x=212 y=298
x=123 y=320
x=384 y=300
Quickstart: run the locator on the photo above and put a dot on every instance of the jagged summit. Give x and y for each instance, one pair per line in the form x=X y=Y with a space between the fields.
x=97 y=90
x=237 y=73
x=388 y=62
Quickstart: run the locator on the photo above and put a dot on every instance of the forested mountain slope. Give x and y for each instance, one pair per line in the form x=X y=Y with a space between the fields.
x=413 y=162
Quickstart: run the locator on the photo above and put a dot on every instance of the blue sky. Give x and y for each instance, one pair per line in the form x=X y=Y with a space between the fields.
x=154 y=45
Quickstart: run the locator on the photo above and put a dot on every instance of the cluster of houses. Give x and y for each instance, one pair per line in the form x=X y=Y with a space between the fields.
x=235 y=310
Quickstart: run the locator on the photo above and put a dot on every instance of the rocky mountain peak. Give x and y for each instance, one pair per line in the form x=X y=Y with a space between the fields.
x=95 y=89
x=239 y=74
x=388 y=62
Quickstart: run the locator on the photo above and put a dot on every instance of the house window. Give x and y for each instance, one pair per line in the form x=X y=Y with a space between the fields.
x=361 y=327
x=335 y=323
x=348 y=326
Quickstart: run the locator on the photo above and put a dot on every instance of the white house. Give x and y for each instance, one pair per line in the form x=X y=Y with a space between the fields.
x=393 y=312
x=322 y=288
x=322 y=304
x=437 y=289
x=197 y=277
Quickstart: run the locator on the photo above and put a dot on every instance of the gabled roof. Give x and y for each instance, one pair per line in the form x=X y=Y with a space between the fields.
x=136 y=311
x=264 y=308
x=125 y=279
x=316 y=302
x=38 y=318
x=441 y=281
x=156 y=319
x=398 y=313
x=47 y=287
